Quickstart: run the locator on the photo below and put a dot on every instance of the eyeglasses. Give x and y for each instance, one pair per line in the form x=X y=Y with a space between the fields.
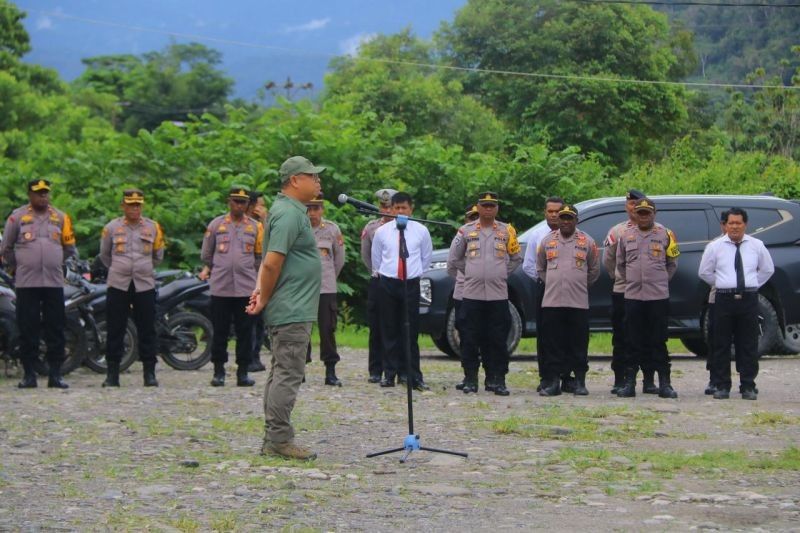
x=314 y=177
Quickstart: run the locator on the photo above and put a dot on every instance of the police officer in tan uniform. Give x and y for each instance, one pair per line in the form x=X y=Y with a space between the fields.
x=37 y=238
x=568 y=263
x=486 y=251
x=618 y=298
x=470 y=215
x=647 y=258
x=375 y=360
x=131 y=247
x=231 y=254
x=330 y=244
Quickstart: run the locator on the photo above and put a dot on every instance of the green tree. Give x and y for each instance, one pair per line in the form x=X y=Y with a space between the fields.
x=182 y=80
x=624 y=121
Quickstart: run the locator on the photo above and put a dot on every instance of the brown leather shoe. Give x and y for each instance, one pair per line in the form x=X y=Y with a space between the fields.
x=288 y=450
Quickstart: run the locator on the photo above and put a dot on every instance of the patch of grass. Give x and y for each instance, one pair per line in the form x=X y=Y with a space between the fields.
x=770 y=419
x=186 y=523
x=238 y=426
x=523 y=380
x=124 y=519
x=224 y=522
x=581 y=423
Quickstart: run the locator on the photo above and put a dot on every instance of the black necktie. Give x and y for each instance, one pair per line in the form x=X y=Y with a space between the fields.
x=737 y=264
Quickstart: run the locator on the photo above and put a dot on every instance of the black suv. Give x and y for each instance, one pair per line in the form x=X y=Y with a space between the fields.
x=695 y=221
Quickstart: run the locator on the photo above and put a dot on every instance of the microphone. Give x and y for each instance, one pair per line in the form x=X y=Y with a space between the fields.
x=344 y=199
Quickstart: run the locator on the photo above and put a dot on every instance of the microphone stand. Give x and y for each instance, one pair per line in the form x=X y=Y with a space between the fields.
x=412 y=441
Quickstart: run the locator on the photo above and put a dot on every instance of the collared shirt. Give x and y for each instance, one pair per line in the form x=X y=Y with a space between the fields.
x=646 y=261
x=386 y=249
x=367 y=235
x=233 y=252
x=486 y=256
x=717 y=267
x=331 y=252
x=131 y=252
x=35 y=246
x=568 y=266
x=288 y=232
x=610 y=254
x=529 y=264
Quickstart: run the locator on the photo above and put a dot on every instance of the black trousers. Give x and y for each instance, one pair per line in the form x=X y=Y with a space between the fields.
x=259 y=331
x=224 y=311
x=375 y=361
x=737 y=318
x=646 y=335
x=394 y=295
x=118 y=307
x=540 y=344
x=40 y=311
x=326 y=322
x=566 y=337
x=485 y=332
x=618 y=331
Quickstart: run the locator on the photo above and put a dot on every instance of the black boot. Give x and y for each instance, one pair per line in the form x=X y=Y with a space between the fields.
x=711 y=388
x=219 y=375
x=149 y=374
x=551 y=387
x=330 y=375
x=29 y=379
x=256 y=365
x=54 y=380
x=567 y=383
x=628 y=389
x=619 y=381
x=649 y=382
x=470 y=382
x=500 y=386
x=490 y=383
x=242 y=379
x=665 y=389
x=112 y=374
x=580 y=384
x=460 y=385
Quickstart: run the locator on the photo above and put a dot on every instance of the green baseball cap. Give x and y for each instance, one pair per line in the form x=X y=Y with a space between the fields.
x=298 y=165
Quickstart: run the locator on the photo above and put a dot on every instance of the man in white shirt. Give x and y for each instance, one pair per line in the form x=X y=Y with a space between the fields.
x=400 y=290
x=551 y=208
x=737 y=265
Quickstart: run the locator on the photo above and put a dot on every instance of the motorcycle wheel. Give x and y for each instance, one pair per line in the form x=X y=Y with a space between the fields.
x=96 y=359
x=191 y=347
x=74 y=350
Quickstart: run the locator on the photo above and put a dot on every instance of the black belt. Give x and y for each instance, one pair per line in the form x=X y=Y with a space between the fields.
x=735 y=291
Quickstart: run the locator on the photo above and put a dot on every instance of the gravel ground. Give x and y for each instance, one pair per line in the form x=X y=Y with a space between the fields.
x=184 y=457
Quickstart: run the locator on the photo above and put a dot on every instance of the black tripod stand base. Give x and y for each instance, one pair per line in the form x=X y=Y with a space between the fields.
x=410 y=444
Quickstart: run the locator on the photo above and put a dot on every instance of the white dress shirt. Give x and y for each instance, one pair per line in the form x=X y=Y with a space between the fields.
x=529 y=264
x=717 y=267
x=386 y=249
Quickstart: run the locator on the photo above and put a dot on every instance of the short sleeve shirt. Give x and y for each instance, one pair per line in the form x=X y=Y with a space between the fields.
x=288 y=232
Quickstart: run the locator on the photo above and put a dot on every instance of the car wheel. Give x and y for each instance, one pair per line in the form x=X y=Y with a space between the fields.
x=514 y=333
x=791 y=341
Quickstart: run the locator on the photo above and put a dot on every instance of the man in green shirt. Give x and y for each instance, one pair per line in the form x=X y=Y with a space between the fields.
x=289 y=282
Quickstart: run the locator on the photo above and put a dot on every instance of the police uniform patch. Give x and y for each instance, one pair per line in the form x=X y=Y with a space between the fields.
x=24 y=220
x=28 y=235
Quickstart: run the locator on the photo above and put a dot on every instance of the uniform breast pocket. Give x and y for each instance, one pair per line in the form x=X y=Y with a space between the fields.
x=119 y=243
x=223 y=243
x=631 y=251
x=147 y=244
x=499 y=249
x=248 y=243
x=55 y=232
x=27 y=233
x=473 y=249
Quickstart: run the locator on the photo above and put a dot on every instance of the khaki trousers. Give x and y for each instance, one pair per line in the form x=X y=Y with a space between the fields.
x=288 y=366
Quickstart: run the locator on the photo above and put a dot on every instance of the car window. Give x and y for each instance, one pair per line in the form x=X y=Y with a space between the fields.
x=757 y=218
x=689 y=225
x=597 y=227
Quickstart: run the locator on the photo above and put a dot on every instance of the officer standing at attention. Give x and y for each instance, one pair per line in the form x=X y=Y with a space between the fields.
x=289 y=280
x=486 y=252
x=568 y=262
x=36 y=240
x=399 y=290
x=618 y=298
x=330 y=244
x=375 y=361
x=737 y=265
x=471 y=215
x=131 y=247
x=647 y=258
x=551 y=208
x=257 y=209
x=711 y=388
x=231 y=255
